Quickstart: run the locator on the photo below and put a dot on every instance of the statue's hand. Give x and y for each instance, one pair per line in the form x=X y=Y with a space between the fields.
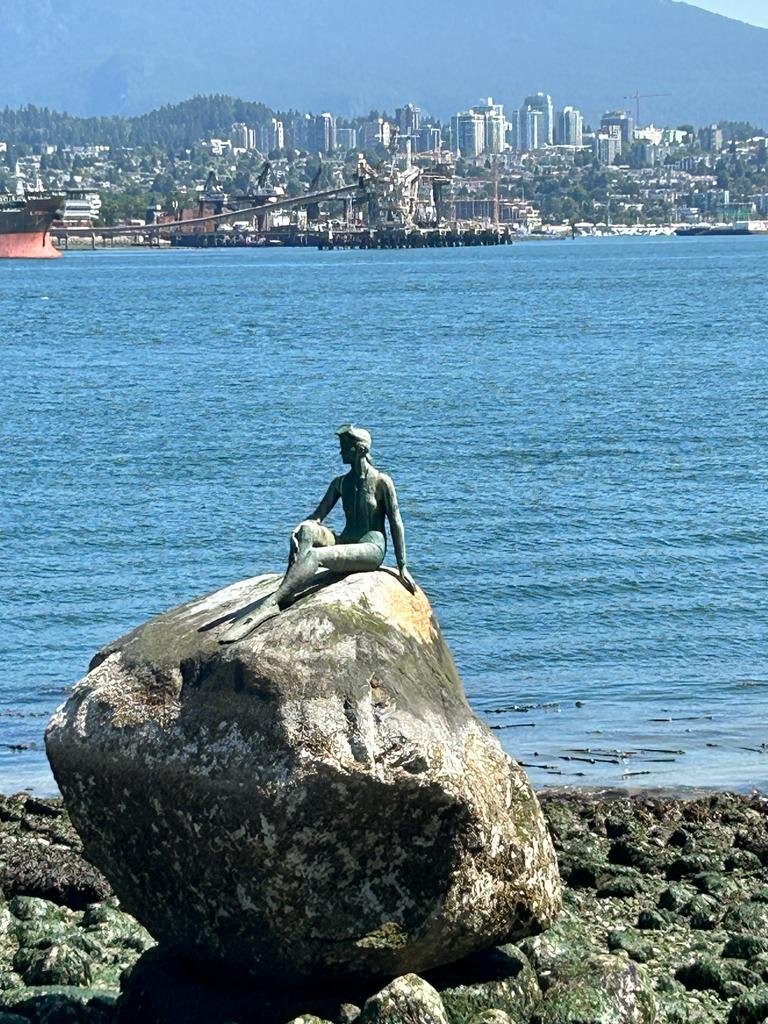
x=407 y=580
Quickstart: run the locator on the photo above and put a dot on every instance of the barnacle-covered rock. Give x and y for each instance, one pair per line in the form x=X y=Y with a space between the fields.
x=315 y=800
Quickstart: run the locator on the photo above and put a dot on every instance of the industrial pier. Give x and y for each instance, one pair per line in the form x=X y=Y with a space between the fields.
x=399 y=206
x=367 y=238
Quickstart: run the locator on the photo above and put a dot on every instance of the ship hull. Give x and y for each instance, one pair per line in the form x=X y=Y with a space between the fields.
x=27 y=245
x=24 y=227
x=744 y=227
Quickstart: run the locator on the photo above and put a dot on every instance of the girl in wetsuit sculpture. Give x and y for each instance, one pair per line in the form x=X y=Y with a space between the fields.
x=368 y=498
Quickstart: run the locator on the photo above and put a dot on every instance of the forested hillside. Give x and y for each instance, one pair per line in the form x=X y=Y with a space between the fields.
x=173 y=126
x=102 y=57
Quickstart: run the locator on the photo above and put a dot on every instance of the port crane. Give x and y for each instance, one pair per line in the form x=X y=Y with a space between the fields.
x=637 y=96
x=263 y=178
x=402 y=197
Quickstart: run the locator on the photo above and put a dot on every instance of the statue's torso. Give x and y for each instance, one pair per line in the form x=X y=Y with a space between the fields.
x=363 y=505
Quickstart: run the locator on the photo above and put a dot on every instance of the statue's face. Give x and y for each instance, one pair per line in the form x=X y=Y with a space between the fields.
x=348 y=448
x=351 y=450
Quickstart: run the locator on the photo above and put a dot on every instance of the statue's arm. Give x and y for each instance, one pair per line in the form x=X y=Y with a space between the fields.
x=332 y=495
x=397 y=530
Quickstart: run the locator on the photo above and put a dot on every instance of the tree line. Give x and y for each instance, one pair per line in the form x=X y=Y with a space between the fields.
x=174 y=126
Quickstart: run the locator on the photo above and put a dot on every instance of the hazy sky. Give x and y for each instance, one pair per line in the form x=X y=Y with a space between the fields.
x=753 y=11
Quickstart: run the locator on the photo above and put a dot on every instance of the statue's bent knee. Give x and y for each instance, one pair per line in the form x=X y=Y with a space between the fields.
x=313 y=534
x=304 y=531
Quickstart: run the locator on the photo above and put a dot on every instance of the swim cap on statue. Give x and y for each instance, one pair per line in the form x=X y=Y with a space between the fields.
x=356 y=433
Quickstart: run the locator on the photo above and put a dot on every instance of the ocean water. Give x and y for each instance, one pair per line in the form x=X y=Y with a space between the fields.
x=577 y=431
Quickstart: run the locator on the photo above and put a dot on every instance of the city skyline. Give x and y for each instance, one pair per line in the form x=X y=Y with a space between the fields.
x=489 y=159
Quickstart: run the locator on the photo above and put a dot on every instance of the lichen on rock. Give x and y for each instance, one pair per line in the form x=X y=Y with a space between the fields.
x=598 y=990
x=406 y=1000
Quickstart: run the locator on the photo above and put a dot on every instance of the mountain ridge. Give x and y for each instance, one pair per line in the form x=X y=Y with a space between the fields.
x=99 y=57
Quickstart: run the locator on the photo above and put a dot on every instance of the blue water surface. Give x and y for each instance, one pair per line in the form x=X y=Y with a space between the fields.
x=576 y=429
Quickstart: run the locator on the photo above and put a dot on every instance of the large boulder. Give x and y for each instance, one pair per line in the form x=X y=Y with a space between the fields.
x=316 y=800
x=598 y=989
x=406 y=1000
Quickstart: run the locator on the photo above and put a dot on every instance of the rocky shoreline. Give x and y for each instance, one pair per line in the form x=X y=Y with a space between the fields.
x=665 y=919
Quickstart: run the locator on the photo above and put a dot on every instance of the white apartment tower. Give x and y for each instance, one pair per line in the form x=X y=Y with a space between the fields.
x=570 y=127
x=608 y=144
x=532 y=132
x=542 y=102
x=481 y=129
x=468 y=134
x=495 y=127
x=276 y=134
x=323 y=135
x=513 y=131
x=243 y=137
x=377 y=132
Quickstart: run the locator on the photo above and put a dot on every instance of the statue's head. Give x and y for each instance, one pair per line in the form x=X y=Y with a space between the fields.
x=355 y=443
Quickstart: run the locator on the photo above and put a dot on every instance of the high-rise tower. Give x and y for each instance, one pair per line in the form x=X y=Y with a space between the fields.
x=495 y=125
x=623 y=121
x=542 y=102
x=570 y=127
x=468 y=133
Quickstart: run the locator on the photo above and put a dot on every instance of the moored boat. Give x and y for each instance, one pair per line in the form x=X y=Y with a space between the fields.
x=739 y=227
x=25 y=222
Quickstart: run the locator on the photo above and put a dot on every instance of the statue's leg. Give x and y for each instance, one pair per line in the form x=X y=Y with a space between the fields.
x=306 y=539
x=365 y=556
x=309 y=534
x=341 y=558
x=310 y=555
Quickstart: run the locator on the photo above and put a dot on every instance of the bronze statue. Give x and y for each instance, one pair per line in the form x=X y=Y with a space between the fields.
x=368 y=498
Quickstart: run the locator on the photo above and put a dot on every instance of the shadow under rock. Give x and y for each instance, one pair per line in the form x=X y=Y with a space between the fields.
x=161 y=988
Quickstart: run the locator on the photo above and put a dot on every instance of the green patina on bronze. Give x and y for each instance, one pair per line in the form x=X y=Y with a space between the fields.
x=369 y=500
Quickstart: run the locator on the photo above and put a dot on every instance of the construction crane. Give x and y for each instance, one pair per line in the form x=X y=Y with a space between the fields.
x=637 y=96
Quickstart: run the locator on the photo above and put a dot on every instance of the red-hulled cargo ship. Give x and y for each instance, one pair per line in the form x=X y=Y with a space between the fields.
x=24 y=225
